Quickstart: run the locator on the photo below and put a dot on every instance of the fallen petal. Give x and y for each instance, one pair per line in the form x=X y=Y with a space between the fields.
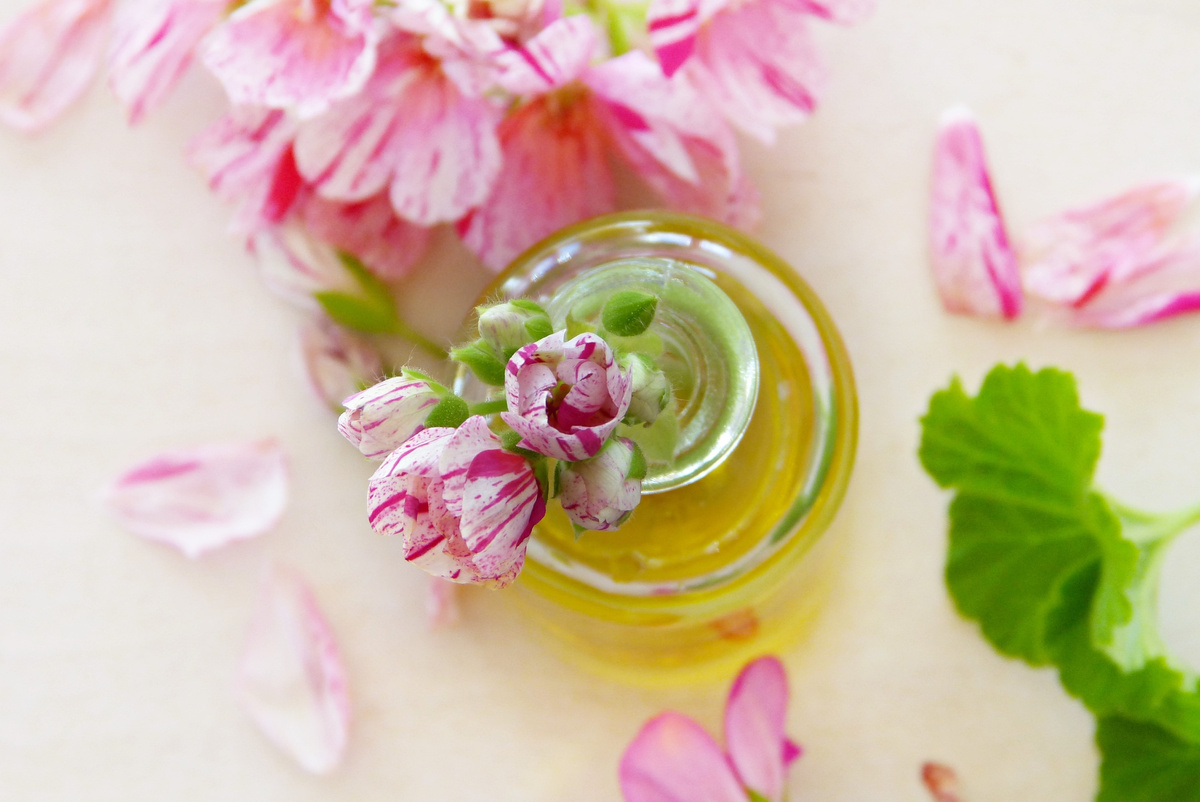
x=200 y=499
x=291 y=679
x=672 y=759
x=1166 y=283
x=973 y=264
x=48 y=56
x=754 y=722
x=441 y=603
x=941 y=781
x=1072 y=255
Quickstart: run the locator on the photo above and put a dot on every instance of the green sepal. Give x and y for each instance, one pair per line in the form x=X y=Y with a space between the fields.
x=528 y=306
x=509 y=439
x=451 y=411
x=755 y=796
x=482 y=360
x=637 y=463
x=356 y=313
x=556 y=491
x=541 y=472
x=629 y=313
x=538 y=328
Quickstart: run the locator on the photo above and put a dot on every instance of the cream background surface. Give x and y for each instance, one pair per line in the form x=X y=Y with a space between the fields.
x=132 y=323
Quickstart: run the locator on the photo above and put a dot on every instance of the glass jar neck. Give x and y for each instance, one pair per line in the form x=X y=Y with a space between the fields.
x=699 y=339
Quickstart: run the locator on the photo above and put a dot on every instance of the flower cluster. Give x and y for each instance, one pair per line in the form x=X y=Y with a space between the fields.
x=465 y=498
x=365 y=123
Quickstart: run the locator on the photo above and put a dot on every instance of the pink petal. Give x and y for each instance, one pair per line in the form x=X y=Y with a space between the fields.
x=48 y=56
x=501 y=504
x=1072 y=255
x=295 y=265
x=754 y=720
x=1166 y=284
x=973 y=264
x=554 y=173
x=291 y=680
x=466 y=48
x=294 y=54
x=758 y=65
x=247 y=159
x=338 y=363
x=441 y=603
x=597 y=493
x=471 y=439
x=200 y=499
x=370 y=230
x=672 y=759
x=844 y=12
x=941 y=781
x=152 y=46
x=672 y=26
x=556 y=56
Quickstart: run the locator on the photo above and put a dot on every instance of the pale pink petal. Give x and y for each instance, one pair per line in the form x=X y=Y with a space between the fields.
x=200 y=499
x=466 y=48
x=673 y=25
x=1068 y=257
x=152 y=46
x=48 y=56
x=844 y=12
x=757 y=64
x=974 y=266
x=295 y=265
x=370 y=230
x=556 y=56
x=941 y=781
x=441 y=603
x=246 y=156
x=294 y=54
x=502 y=502
x=337 y=363
x=471 y=439
x=554 y=173
x=597 y=493
x=291 y=679
x=395 y=496
x=383 y=417
x=1166 y=283
x=672 y=759
x=754 y=722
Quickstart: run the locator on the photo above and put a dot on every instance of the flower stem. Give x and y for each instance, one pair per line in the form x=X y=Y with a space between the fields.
x=489 y=407
x=420 y=340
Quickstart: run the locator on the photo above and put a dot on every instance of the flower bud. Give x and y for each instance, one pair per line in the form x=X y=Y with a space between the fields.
x=601 y=492
x=381 y=418
x=508 y=326
x=629 y=313
x=651 y=389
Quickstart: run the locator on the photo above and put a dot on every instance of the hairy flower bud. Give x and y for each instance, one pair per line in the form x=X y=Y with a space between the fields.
x=651 y=389
x=508 y=326
x=380 y=418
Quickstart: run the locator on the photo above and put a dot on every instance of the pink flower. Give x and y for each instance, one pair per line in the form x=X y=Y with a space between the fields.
x=565 y=397
x=294 y=54
x=369 y=229
x=672 y=759
x=152 y=46
x=1073 y=255
x=48 y=56
x=411 y=132
x=338 y=363
x=753 y=60
x=601 y=492
x=380 y=419
x=973 y=264
x=463 y=506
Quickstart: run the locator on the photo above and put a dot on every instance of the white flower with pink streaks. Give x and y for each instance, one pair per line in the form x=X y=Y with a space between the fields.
x=48 y=57
x=463 y=505
x=672 y=759
x=974 y=265
x=755 y=60
x=601 y=492
x=294 y=54
x=379 y=419
x=565 y=397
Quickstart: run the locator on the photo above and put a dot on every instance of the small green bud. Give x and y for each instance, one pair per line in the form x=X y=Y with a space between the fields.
x=482 y=360
x=508 y=326
x=629 y=313
x=451 y=411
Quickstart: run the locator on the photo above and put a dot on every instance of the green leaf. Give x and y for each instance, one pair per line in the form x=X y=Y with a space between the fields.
x=451 y=411
x=374 y=288
x=755 y=796
x=628 y=313
x=482 y=361
x=1141 y=762
x=356 y=313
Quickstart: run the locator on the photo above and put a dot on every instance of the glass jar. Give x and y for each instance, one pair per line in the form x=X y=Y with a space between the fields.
x=725 y=557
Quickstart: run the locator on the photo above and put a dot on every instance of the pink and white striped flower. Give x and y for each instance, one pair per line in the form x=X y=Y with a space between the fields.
x=974 y=265
x=300 y=55
x=152 y=46
x=291 y=680
x=565 y=397
x=1069 y=257
x=601 y=492
x=755 y=60
x=48 y=57
x=672 y=758
x=381 y=418
x=464 y=506
x=200 y=499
